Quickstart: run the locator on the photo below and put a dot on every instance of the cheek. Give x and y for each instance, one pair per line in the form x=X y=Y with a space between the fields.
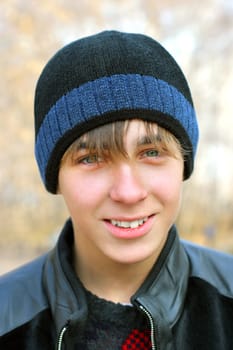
x=82 y=191
x=171 y=189
x=167 y=187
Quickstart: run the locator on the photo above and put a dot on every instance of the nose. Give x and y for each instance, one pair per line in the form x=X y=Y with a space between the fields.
x=127 y=186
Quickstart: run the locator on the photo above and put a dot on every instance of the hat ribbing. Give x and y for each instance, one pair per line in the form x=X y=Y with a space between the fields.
x=104 y=78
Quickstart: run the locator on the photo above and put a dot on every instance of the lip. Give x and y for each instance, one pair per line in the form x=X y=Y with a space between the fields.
x=130 y=233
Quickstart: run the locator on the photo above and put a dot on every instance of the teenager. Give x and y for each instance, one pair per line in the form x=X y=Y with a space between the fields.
x=116 y=136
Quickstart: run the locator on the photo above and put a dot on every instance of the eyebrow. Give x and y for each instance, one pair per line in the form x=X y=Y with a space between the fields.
x=148 y=139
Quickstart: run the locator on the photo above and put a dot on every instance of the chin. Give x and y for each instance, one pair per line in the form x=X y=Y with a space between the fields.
x=135 y=257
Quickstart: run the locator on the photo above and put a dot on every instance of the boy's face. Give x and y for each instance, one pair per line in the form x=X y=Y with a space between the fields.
x=123 y=207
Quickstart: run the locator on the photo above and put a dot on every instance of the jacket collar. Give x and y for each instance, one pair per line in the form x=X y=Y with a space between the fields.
x=163 y=292
x=65 y=292
x=165 y=287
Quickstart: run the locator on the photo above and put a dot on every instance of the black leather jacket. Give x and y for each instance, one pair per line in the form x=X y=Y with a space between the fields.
x=187 y=297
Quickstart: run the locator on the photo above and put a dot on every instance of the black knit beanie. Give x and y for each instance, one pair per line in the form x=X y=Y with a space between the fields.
x=104 y=78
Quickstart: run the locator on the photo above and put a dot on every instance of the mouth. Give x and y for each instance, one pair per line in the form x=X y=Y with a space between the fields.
x=123 y=228
x=129 y=223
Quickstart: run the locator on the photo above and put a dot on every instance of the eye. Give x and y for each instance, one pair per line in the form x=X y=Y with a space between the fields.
x=151 y=153
x=89 y=159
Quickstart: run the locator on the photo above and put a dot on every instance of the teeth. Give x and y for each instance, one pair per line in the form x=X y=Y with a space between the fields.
x=128 y=224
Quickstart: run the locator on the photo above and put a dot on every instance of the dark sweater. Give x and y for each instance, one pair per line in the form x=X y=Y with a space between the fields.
x=113 y=326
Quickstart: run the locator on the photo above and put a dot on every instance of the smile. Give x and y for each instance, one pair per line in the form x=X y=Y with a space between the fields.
x=129 y=224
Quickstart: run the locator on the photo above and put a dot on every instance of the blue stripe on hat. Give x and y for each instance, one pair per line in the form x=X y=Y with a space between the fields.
x=109 y=94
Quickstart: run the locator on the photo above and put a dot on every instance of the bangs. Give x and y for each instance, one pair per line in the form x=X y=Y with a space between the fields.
x=108 y=140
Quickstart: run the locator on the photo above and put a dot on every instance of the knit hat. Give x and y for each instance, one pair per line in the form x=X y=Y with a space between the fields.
x=104 y=78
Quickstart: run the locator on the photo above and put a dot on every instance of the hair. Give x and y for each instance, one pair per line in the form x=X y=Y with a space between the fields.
x=108 y=141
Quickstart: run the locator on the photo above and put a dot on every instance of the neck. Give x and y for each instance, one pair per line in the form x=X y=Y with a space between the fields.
x=110 y=280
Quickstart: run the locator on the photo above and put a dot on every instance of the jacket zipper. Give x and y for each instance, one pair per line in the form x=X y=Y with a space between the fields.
x=60 y=338
x=152 y=327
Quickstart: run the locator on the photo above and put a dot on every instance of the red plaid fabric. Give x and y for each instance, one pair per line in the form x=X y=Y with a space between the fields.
x=138 y=340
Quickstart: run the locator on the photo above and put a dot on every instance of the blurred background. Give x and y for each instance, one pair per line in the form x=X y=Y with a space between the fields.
x=198 y=34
